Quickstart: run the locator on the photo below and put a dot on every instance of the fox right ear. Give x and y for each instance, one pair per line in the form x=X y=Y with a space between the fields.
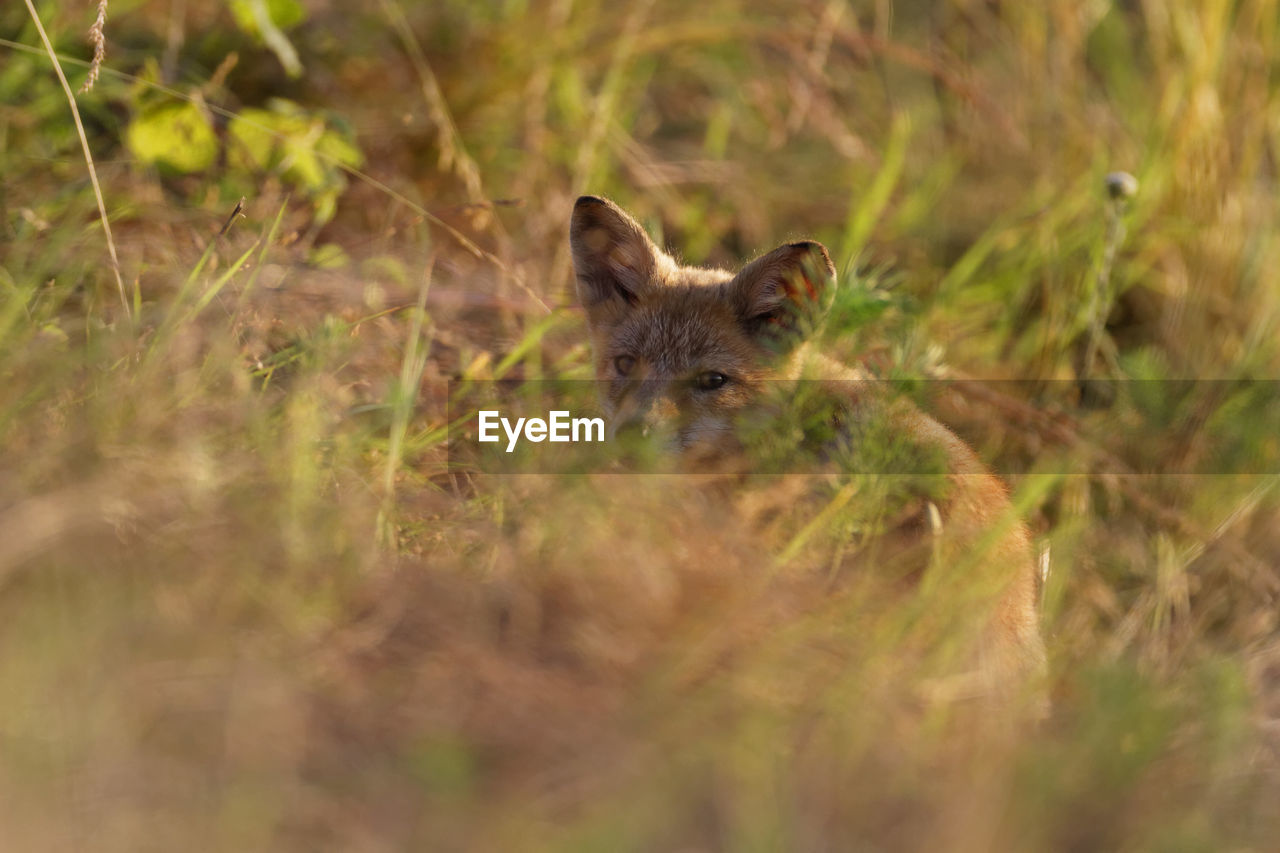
x=612 y=256
x=783 y=294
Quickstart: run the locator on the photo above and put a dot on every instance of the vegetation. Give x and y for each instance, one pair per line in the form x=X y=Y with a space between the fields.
x=248 y=600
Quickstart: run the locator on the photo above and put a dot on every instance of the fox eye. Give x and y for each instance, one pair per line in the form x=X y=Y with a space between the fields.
x=623 y=364
x=711 y=380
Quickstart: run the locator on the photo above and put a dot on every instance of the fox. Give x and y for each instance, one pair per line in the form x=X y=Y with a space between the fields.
x=686 y=355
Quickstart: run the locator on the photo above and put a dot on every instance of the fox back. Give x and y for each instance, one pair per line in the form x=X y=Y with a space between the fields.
x=684 y=355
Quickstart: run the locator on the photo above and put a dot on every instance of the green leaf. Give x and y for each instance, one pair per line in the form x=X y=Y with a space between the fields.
x=329 y=256
x=266 y=20
x=284 y=14
x=174 y=137
x=297 y=145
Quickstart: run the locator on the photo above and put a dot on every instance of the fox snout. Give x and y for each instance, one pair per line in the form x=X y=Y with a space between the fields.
x=657 y=415
x=647 y=411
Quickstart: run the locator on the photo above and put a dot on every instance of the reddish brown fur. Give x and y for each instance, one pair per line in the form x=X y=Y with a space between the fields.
x=659 y=330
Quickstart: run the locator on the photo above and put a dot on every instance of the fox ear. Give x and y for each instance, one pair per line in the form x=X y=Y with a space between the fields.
x=783 y=293
x=612 y=256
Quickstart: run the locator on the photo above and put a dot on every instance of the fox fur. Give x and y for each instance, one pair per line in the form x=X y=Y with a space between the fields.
x=682 y=354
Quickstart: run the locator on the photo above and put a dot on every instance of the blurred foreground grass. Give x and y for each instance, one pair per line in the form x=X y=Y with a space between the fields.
x=246 y=603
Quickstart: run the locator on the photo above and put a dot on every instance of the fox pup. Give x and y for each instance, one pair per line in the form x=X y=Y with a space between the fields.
x=687 y=352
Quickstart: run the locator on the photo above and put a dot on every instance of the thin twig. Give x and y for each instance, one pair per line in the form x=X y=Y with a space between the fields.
x=453 y=153
x=88 y=157
x=232 y=218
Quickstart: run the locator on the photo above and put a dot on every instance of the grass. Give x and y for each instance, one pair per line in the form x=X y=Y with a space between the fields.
x=248 y=598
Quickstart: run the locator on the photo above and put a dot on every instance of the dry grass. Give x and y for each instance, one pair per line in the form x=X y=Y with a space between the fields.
x=84 y=142
x=98 y=38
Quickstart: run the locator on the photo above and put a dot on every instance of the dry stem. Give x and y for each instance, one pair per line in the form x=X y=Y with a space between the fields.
x=84 y=145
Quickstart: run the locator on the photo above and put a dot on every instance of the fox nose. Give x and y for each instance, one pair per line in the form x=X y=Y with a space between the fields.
x=645 y=420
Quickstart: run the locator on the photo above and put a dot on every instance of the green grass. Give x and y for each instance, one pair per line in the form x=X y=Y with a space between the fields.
x=248 y=601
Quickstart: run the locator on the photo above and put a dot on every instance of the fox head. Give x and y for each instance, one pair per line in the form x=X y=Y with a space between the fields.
x=682 y=351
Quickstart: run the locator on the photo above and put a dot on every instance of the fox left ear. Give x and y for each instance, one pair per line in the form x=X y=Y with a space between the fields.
x=613 y=259
x=784 y=292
